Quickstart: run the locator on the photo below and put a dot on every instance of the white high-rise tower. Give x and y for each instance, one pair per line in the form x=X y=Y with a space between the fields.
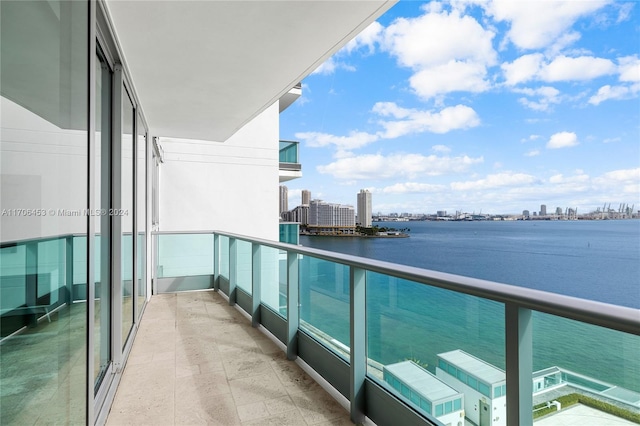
x=364 y=208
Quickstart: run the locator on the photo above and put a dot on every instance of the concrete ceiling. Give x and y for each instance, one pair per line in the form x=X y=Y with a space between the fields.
x=202 y=69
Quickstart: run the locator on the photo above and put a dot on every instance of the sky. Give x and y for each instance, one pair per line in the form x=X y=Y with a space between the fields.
x=477 y=106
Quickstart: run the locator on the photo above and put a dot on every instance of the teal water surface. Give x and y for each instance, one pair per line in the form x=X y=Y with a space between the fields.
x=593 y=260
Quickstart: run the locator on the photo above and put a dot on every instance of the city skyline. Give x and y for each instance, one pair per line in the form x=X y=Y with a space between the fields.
x=513 y=107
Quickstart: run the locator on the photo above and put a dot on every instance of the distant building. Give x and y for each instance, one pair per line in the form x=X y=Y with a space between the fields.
x=327 y=218
x=284 y=199
x=483 y=386
x=543 y=210
x=441 y=213
x=306 y=197
x=364 y=208
x=526 y=213
x=426 y=391
x=559 y=211
x=300 y=214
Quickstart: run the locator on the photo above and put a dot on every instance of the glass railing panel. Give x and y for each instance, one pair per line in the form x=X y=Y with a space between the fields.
x=51 y=286
x=184 y=255
x=288 y=152
x=273 y=284
x=243 y=265
x=440 y=351
x=224 y=258
x=127 y=285
x=290 y=233
x=324 y=302
x=141 y=257
x=579 y=363
x=13 y=282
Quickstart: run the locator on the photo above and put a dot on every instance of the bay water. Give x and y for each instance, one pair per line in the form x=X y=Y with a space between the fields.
x=597 y=260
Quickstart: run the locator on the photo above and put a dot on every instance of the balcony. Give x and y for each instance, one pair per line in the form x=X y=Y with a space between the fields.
x=350 y=318
x=290 y=167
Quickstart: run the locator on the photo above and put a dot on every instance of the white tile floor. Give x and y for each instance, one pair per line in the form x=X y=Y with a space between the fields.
x=196 y=360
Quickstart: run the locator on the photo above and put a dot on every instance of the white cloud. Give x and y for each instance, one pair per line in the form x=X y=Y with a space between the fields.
x=378 y=166
x=454 y=76
x=441 y=148
x=447 y=52
x=523 y=69
x=530 y=138
x=582 y=68
x=609 y=92
x=562 y=140
x=579 y=177
x=352 y=141
x=532 y=153
x=624 y=11
x=561 y=68
x=407 y=121
x=412 y=188
x=331 y=65
x=629 y=69
x=540 y=24
x=611 y=140
x=418 y=121
x=497 y=180
x=368 y=39
x=621 y=176
x=546 y=95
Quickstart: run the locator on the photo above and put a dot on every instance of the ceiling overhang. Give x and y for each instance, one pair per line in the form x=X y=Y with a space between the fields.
x=203 y=69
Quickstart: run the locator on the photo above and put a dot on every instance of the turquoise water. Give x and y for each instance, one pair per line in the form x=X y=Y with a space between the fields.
x=593 y=260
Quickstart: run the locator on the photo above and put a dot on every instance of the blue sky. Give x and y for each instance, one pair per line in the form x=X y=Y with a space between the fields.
x=477 y=106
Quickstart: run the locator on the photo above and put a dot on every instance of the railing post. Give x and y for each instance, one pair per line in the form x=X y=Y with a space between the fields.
x=68 y=258
x=233 y=270
x=519 y=363
x=256 y=274
x=358 y=352
x=31 y=277
x=216 y=262
x=293 y=310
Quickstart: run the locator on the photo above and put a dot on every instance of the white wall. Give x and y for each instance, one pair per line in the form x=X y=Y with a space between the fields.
x=231 y=186
x=43 y=168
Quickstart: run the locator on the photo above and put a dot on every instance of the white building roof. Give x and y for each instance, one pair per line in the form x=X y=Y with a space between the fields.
x=475 y=366
x=422 y=381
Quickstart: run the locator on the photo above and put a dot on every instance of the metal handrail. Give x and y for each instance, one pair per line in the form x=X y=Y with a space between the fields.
x=616 y=317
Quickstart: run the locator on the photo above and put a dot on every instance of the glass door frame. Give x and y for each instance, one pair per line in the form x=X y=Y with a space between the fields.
x=102 y=39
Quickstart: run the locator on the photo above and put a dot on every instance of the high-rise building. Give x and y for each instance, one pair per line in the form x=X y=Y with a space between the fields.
x=543 y=210
x=306 y=197
x=284 y=199
x=364 y=208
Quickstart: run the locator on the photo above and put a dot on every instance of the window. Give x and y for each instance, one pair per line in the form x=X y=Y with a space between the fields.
x=457 y=404
x=448 y=407
x=452 y=370
x=484 y=389
x=472 y=382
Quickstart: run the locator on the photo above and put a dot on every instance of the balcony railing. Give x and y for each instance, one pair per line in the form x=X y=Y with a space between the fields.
x=289 y=156
x=358 y=321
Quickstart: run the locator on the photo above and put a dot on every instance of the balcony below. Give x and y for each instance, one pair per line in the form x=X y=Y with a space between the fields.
x=290 y=167
x=197 y=360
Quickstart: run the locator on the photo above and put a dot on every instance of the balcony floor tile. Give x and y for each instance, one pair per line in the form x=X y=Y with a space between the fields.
x=196 y=360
